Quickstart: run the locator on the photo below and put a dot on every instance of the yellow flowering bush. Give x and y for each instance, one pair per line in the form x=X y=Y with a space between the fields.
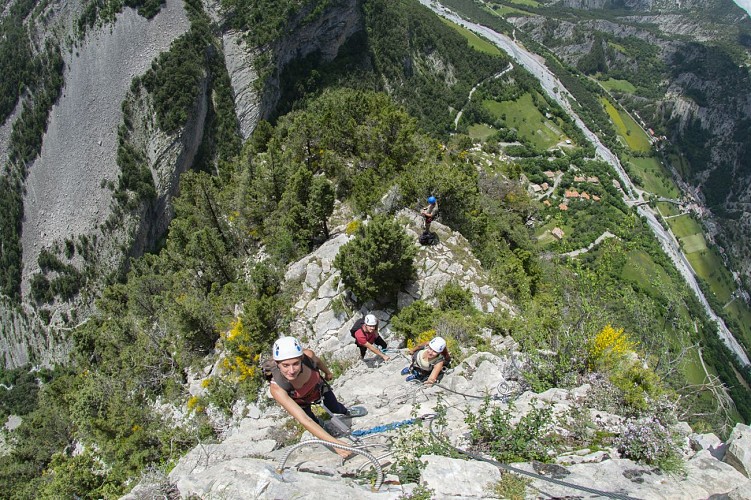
x=609 y=346
x=352 y=227
x=194 y=404
x=241 y=359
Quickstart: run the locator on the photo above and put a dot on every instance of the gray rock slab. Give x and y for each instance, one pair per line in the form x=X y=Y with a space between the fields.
x=709 y=442
x=452 y=477
x=244 y=478
x=738 y=452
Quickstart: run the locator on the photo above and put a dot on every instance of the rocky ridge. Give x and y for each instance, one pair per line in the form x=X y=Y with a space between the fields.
x=246 y=462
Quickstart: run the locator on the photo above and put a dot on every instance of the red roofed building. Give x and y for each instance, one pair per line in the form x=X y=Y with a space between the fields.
x=571 y=194
x=563 y=207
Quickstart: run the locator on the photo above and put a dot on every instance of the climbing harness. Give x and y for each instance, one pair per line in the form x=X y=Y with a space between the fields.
x=379 y=469
x=526 y=473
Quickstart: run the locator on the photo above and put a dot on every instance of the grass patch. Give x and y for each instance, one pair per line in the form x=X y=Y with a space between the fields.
x=680 y=163
x=654 y=177
x=504 y=10
x=684 y=225
x=475 y=41
x=480 y=131
x=641 y=270
x=739 y=310
x=709 y=266
x=628 y=130
x=668 y=209
x=529 y=123
x=694 y=243
x=618 y=85
x=528 y=3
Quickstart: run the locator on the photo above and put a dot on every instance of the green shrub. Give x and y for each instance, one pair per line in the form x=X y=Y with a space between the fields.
x=530 y=439
x=378 y=261
x=413 y=320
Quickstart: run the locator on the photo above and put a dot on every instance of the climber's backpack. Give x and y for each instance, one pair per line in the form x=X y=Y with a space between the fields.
x=358 y=324
x=427 y=238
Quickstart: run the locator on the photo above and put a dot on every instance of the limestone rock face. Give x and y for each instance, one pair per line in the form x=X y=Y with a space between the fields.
x=324 y=34
x=738 y=452
x=66 y=194
x=246 y=462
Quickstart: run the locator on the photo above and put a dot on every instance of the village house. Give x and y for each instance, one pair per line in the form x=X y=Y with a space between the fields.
x=558 y=233
x=571 y=194
x=579 y=178
x=584 y=195
x=563 y=207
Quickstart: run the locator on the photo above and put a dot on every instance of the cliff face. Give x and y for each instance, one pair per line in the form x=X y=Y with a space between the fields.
x=324 y=34
x=69 y=186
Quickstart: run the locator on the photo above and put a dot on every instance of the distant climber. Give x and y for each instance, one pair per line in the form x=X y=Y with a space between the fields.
x=428 y=361
x=429 y=212
x=298 y=380
x=365 y=332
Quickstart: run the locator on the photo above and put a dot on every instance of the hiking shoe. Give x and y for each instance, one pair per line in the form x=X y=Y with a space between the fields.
x=405 y=370
x=411 y=378
x=357 y=411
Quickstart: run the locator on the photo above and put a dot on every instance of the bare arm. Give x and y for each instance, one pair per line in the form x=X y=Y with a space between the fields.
x=376 y=351
x=310 y=425
x=434 y=374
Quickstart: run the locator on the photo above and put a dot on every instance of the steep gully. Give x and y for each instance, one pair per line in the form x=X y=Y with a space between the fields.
x=536 y=65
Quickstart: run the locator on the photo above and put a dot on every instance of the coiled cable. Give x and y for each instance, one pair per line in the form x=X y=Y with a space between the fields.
x=379 y=469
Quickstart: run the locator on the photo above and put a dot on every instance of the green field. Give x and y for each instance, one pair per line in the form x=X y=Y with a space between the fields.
x=667 y=209
x=477 y=43
x=627 y=129
x=480 y=131
x=618 y=85
x=709 y=266
x=503 y=10
x=654 y=178
x=680 y=164
x=528 y=3
x=684 y=225
x=529 y=123
x=694 y=243
x=641 y=270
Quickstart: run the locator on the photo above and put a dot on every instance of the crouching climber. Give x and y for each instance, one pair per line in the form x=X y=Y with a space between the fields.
x=428 y=361
x=298 y=380
x=367 y=337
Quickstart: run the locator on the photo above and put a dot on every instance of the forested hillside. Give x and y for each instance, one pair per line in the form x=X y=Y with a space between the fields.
x=351 y=142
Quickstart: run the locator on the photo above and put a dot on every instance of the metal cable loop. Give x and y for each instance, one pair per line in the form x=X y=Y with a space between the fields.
x=379 y=469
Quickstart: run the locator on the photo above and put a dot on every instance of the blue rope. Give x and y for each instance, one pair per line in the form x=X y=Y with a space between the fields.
x=383 y=428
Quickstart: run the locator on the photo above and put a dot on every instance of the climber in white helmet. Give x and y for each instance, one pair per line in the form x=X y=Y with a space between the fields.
x=428 y=361
x=366 y=336
x=298 y=380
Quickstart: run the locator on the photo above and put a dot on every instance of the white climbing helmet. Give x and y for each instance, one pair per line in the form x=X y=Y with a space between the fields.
x=437 y=344
x=287 y=348
x=371 y=320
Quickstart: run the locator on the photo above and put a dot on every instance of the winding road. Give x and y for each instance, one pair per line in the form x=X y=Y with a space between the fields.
x=536 y=65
